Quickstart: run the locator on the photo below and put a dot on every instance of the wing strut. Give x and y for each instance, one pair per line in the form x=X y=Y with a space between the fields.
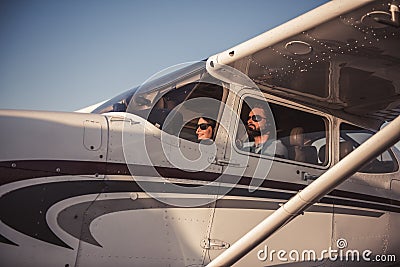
x=370 y=149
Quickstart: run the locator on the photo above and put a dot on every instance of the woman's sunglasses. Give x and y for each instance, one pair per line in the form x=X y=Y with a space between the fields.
x=203 y=126
x=256 y=118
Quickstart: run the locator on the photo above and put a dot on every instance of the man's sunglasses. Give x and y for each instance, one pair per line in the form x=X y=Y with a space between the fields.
x=256 y=118
x=203 y=126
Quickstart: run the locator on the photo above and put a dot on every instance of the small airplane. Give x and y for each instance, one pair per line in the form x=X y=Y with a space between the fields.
x=127 y=182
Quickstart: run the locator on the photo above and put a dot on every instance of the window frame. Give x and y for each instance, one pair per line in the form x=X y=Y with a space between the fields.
x=392 y=155
x=328 y=121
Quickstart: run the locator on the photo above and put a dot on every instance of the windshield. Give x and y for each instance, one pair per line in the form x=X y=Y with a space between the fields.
x=116 y=104
x=173 y=102
x=165 y=80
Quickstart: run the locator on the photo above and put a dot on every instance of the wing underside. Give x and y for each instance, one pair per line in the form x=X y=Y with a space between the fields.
x=336 y=57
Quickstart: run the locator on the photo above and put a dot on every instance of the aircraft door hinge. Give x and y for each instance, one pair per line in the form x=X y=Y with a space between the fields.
x=214 y=244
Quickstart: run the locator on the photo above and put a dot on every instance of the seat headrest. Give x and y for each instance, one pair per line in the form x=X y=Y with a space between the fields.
x=297 y=137
x=322 y=154
x=160 y=104
x=345 y=148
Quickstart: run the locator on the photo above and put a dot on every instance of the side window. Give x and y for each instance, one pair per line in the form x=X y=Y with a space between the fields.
x=352 y=137
x=299 y=136
x=173 y=111
x=202 y=107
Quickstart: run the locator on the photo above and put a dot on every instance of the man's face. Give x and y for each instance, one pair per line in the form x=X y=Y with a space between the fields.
x=257 y=122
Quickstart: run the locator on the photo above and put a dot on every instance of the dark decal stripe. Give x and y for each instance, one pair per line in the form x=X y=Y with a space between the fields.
x=44 y=168
x=115 y=168
x=5 y=240
x=39 y=168
x=12 y=171
x=358 y=204
x=25 y=209
x=359 y=196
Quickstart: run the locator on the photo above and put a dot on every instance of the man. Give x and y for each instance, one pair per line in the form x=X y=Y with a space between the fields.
x=259 y=129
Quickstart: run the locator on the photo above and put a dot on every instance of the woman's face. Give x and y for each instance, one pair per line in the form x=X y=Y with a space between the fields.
x=206 y=133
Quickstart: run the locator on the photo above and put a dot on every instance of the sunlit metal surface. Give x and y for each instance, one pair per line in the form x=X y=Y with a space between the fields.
x=350 y=64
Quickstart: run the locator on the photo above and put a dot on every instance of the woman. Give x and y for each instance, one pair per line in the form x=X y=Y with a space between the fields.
x=205 y=129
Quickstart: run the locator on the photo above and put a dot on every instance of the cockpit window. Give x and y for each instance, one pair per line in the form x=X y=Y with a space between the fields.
x=173 y=111
x=300 y=136
x=352 y=137
x=174 y=102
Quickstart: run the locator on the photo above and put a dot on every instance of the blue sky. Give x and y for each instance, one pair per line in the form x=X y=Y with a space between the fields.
x=65 y=55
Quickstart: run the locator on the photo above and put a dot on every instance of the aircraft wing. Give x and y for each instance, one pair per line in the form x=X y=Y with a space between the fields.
x=336 y=57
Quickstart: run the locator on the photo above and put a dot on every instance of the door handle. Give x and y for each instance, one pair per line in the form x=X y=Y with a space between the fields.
x=124 y=119
x=306 y=176
x=226 y=162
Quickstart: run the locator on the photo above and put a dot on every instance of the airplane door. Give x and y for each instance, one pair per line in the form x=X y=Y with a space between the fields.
x=373 y=228
x=262 y=182
x=157 y=209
